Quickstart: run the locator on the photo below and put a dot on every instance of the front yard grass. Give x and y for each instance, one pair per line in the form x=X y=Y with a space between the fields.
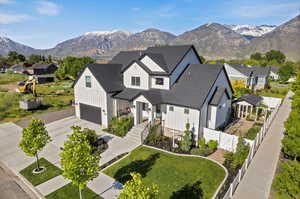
x=36 y=179
x=176 y=176
x=279 y=92
x=6 y=78
x=70 y=191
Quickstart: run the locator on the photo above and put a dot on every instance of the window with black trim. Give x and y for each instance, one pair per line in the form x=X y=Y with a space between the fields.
x=144 y=106
x=159 y=81
x=135 y=81
x=186 y=111
x=88 y=81
x=171 y=108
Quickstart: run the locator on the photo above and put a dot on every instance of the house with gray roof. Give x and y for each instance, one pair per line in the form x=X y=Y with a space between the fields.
x=254 y=77
x=274 y=73
x=166 y=83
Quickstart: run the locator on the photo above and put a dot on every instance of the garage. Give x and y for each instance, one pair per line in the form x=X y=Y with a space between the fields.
x=90 y=113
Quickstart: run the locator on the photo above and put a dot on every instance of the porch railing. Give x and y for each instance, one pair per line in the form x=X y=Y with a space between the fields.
x=145 y=132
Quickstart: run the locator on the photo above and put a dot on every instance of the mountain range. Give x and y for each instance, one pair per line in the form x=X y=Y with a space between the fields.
x=212 y=40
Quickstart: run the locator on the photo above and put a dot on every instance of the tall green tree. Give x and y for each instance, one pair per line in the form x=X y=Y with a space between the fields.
x=136 y=189
x=34 y=139
x=285 y=72
x=79 y=161
x=34 y=58
x=257 y=56
x=70 y=67
x=275 y=55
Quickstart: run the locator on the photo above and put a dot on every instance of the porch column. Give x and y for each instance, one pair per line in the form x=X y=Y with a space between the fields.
x=247 y=107
x=239 y=111
x=256 y=113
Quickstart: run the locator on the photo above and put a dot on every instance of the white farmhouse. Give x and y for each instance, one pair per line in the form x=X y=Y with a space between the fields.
x=167 y=83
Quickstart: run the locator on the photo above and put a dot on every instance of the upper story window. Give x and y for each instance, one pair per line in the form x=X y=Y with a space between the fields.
x=88 y=81
x=135 y=81
x=171 y=108
x=159 y=81
x=186 y=111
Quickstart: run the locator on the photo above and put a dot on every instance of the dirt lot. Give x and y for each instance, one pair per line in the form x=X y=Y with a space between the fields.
x=10 y=87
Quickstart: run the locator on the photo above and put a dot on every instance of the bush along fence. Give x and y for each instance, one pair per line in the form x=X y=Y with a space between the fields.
x=231 y=186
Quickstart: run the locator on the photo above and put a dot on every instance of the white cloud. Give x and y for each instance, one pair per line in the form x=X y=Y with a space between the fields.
x=5 y=1
x=9 y=18
x=136 y=9
x=267 y=10
x=48 y=8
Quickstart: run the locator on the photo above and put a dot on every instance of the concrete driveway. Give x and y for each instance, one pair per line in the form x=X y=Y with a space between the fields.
x=15 y=159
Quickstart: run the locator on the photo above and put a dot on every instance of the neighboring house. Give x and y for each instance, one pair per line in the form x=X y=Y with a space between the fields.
x=274 y=73
x=166 y=83
x=20 y=67
x=4 y=68
x=41 y=69
x=254 y=77
x=250 y=100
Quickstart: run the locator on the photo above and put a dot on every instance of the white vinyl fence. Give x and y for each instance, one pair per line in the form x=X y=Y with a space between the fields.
x=271 y=102
x=253 y=148
x=226 y=141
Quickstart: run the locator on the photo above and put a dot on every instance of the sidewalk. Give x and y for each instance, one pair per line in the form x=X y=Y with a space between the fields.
x=257 y=181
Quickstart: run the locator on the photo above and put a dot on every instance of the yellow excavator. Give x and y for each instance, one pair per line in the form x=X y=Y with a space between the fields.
x=28 y=87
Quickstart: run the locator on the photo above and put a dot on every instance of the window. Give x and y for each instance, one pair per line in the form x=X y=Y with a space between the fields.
x=135 y=81
x=171 y=108
x=159 y=81
x=186 y=111
x=88 y=81
x=144 y=106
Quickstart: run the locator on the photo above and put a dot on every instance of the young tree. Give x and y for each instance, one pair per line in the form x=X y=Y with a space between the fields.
x=136 y=189
x=34 y=139
x=236 y=160
x=287 y=181
x=187 y=139
x=79 y=161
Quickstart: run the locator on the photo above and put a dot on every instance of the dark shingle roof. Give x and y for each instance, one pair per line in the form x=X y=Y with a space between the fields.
x=128 y=94
x=218 y=96
x=274 y=69
x=159 y=60
x=126 y=57
x=108 y=75
x=172 y=54
x=245 y=70
x=260 y=71
x=251 y=99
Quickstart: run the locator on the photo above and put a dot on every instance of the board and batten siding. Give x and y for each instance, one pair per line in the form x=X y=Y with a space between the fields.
x=151 y=64
x=177 y=119
x=190 y=58
x=94 y=96
x=166 y=85
x=221 y=82
x=136 y=71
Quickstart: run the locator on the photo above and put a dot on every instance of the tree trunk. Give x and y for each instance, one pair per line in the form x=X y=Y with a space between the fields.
x=37 y=161
x=80 y=193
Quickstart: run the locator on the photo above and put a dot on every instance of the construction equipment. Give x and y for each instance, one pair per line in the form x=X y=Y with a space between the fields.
x=28 y=87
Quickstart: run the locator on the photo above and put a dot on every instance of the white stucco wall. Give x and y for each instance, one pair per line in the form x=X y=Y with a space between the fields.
x=190 y=58
x=136 y=71
x=177 y=119
x=166 y=85
x=151 y=64
x=221 y=82
x=94 y=96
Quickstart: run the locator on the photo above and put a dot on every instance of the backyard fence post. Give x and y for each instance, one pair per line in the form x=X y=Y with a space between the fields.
x=231 y=190
x=240 y=175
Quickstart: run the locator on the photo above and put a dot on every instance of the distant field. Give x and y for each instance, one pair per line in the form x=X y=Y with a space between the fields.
x=6 y=78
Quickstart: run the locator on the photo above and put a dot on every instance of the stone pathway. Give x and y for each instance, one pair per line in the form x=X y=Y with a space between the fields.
x=258 y=179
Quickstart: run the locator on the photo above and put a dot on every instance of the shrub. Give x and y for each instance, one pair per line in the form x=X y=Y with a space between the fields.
x=186 y=142
x=120 y=126
x=251 y=133
x=212 y=145
x=153 y=133
x=201 y=143
x=202 y=151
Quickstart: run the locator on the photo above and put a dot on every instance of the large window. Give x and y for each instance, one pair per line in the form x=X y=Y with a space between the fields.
x=135 y=81
x=159 y=81
x=186 y=111
x=88 y=81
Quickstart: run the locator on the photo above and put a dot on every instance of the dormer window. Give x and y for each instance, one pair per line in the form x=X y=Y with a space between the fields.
x=159 y=81
x=135 y=81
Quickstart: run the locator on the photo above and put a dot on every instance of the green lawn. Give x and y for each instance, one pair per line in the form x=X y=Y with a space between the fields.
x=55 y=96
x=274 y=92
x=70 y=191
x=176 y=176
x=6 y=78
x=36 y=179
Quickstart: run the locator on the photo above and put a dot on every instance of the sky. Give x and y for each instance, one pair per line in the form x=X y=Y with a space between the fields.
x=45 y=23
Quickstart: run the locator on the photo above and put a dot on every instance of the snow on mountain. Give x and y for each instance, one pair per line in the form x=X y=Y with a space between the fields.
x=254 y=31
x=104 y=33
